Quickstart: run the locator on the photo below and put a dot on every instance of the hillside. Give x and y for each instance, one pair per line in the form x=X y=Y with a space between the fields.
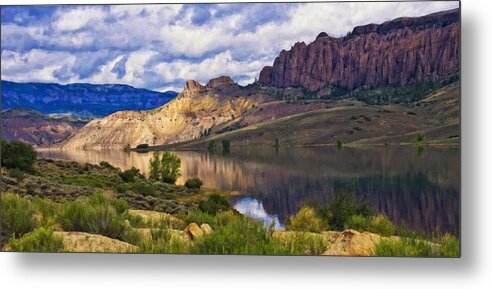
x=35 y=128
x=353 y=122
x=87 y=100
x=191 y=115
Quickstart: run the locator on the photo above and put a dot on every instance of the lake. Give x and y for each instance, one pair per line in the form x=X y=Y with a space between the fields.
x=418 y=188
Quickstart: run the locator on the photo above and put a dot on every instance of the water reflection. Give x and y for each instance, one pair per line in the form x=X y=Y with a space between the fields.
x=418 y=188
x=251 y=207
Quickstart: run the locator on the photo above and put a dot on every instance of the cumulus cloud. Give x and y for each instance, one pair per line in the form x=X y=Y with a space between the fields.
x=160 y=46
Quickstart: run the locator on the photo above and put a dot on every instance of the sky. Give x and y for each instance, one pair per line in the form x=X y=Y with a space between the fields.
x=159 y=47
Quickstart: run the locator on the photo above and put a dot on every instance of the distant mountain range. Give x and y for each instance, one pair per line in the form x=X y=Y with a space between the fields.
x=81 y=99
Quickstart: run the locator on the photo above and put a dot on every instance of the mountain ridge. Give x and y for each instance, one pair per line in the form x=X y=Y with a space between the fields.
x=397 y=52
x=84 y=99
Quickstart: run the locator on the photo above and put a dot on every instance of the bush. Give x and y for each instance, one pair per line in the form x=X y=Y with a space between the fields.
x=18 y=216
x=212 y=146
x=376 y=224
x=16 y=174
x=143 y=146
x=214 y=204
x=18 y=155
x=226 y=147
x=128 y=176
x=107 y=165
x=193 y=183
x=97 y=214
x=341 y=208
x=40 y=240
x=306 y=220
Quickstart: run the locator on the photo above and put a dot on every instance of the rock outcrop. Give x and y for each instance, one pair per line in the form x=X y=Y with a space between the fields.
x=353 y=243
x=397 y=52
x=189 y=116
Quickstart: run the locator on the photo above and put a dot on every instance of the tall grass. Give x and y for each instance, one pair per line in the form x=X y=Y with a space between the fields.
x=40 y=240
x=97 y=214
x=17 y=215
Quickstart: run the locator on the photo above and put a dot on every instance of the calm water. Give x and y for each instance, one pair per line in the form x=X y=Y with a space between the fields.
x=421 y=189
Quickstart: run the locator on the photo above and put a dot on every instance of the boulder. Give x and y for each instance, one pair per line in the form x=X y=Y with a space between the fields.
x=85 y=242
x=193 y=231
x=207 y=230
x=353 y=243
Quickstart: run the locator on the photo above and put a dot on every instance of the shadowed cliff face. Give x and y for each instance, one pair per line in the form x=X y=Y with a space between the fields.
x=398 y=52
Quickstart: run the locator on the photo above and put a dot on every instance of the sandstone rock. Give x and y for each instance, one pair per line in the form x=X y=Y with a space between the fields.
x=353 y=243
x=85 y=242
x=221 y=81
x=207 y=230
x=193 y=231
x=402 y=51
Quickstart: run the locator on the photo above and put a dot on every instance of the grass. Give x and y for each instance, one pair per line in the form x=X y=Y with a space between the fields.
x=40 y=240
x=378 y=224
x=97 y=214
x=18 y=216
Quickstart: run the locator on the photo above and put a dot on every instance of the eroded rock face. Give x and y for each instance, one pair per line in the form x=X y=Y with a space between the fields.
x=353 y=243
x=189 y=116
x=402 y=51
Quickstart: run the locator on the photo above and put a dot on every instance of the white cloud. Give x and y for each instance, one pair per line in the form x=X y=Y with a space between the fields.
x=78 y=18
x=161 y=46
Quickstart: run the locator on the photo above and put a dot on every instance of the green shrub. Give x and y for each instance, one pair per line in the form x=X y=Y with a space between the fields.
x=341 y=208
x=18 y=216
x=193 y=183
x=107 y=165
x=306 y=220
x=96 y=214
x=212 y=146
x=143 y=146
x=339 y=144
x=226 y=147
x=378 y=224
x=129 y=176
x=214 y=204
x=17 y=174
x=420 y=137
x=18 y=155
x=40 y=240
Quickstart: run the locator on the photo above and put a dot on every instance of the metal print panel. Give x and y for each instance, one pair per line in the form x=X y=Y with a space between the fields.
x=261 y=129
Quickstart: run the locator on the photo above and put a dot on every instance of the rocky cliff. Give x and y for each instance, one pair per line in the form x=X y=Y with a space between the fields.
x=397 y=52
x=191 y=115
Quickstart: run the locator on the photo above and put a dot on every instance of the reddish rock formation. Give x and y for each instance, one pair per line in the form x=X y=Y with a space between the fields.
x=402 y=51
x=221 y=81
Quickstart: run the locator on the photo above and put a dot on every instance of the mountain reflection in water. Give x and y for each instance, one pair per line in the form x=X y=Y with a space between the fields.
x=421 y=189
